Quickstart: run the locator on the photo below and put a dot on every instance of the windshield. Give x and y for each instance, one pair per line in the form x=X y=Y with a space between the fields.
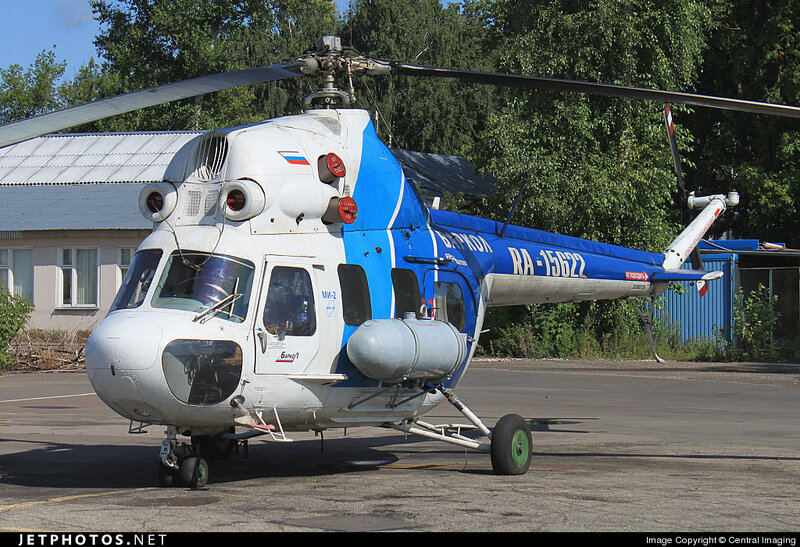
x=137 y=282
x=210 y=285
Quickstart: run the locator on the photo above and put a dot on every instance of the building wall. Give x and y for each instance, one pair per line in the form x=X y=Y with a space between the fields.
x=50 y=263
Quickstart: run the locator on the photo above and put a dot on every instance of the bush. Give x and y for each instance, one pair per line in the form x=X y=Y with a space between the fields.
x=753 y=325
x=14 y=313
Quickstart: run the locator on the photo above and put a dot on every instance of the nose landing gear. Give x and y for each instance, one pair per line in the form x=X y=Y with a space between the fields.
x=186 y=468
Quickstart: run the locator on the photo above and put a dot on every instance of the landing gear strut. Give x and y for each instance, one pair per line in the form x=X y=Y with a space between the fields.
x=511 y=442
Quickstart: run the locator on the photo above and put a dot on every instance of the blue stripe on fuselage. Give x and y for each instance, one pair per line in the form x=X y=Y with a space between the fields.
x=377 y=192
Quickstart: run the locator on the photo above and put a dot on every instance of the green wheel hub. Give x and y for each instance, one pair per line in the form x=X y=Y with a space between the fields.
x=520 y=448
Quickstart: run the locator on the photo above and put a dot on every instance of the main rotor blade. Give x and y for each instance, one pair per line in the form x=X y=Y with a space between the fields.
x=18 y=131
x=554 y=84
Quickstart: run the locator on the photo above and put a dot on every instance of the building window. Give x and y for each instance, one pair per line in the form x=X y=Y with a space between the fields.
x=406 y=292
x=356 y=306
x=124 y=256
x=79 y=277
x=16 y=272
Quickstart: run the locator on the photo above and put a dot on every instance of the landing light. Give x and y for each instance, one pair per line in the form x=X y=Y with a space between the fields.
x=236 y=200
x=157 y=200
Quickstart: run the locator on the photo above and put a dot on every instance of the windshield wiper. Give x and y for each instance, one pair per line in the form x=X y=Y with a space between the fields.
x=230 y=299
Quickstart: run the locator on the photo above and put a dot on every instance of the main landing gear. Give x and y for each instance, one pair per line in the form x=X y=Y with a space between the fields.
x=511 y=442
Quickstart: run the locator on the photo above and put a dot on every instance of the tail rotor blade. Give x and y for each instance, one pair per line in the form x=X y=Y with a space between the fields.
x=676 y=160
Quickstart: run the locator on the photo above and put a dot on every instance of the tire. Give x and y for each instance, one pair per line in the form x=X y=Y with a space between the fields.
x=512 y=445
x=194 y=472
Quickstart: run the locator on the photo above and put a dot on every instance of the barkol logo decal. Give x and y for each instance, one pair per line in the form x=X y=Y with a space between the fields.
x=287 y=357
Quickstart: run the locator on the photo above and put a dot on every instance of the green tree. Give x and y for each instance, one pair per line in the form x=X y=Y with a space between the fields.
x=27 y=92
x=152 y=42
x=14 y=313
x=590 y=166
x=753 y=53
x=593 y=167
x=427 y=115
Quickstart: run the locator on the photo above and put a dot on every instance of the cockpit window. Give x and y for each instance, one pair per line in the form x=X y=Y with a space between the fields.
x=210 y=285
x=138 y=280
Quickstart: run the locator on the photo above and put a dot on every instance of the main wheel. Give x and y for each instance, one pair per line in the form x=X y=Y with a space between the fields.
x=511 y=447
x=194 y=472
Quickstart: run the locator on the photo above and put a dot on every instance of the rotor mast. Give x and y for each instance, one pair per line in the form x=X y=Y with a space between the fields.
x=329 y=61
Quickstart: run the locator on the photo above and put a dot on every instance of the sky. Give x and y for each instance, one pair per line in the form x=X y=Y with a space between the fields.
x=29 y=27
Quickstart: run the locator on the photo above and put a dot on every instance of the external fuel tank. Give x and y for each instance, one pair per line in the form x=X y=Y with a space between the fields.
x=393 y=350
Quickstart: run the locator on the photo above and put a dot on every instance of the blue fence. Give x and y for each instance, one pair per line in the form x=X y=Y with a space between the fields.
x=696 y=317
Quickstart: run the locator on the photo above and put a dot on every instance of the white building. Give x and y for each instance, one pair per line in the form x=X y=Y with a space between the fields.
x=71 y=219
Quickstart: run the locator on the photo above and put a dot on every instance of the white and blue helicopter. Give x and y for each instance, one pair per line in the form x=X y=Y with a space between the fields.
x=295 y=280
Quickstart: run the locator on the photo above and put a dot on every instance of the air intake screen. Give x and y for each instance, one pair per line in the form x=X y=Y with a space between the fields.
x=210 y=157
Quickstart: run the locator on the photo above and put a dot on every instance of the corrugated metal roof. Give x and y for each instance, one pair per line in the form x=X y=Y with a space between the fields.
x=88 y=158
x=443 y=174
x=89 y=206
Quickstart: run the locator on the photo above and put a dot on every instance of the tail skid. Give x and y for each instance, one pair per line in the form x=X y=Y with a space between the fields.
x=682 y=248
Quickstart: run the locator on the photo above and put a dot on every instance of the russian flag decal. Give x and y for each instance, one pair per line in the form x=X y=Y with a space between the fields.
x=294 y=157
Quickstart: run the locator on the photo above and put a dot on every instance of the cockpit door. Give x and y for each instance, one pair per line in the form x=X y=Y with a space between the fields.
x=287 y=326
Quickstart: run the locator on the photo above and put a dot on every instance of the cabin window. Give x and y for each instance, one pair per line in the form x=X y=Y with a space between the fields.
x=289 y=309
x=16 y=272
x=79 y=277
x=406 y=292
x=137 y=279
x=449 y=303
x=209 y=285
x=202 y=372
x=356 y=305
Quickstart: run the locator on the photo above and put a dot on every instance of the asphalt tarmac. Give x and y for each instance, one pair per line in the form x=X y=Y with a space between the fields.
x=618 y=446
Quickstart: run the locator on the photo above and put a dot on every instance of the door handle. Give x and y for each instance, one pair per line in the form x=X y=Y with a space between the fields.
x=262 y=338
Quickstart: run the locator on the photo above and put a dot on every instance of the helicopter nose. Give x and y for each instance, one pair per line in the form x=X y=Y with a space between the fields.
x=120 y=355
x=123 y=343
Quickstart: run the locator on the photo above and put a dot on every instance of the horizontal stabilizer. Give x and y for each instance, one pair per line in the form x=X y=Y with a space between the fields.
x=684 y=275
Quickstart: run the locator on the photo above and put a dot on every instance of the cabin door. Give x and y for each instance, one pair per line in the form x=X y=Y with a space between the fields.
x=287 y=325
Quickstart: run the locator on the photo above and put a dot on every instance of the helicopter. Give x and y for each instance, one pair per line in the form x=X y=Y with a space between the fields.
x=295 y=280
